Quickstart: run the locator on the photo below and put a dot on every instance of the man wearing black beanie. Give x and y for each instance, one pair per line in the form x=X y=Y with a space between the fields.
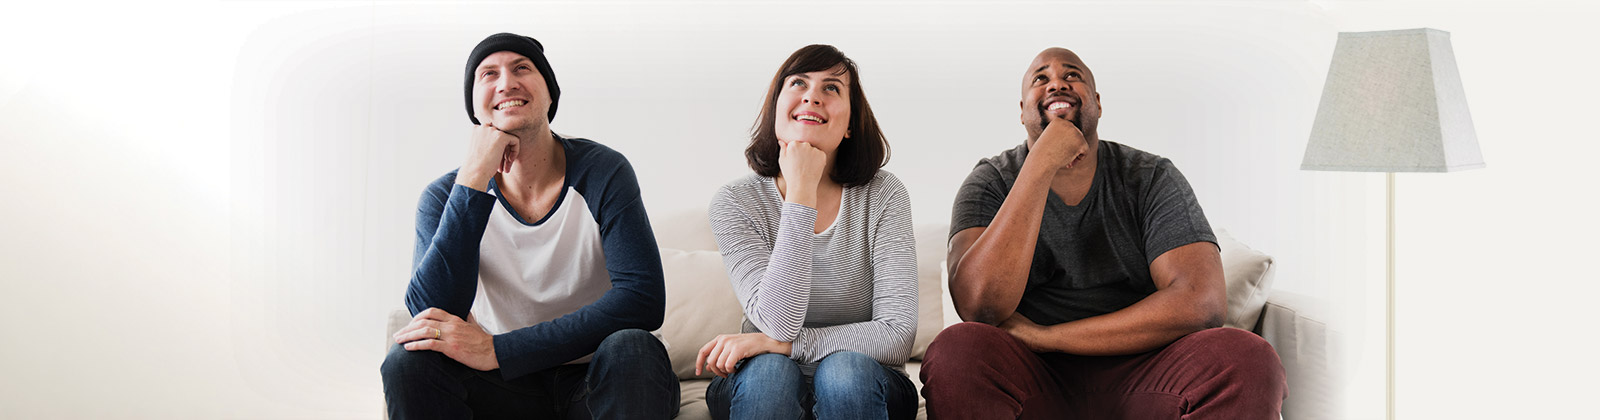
x=536 y=275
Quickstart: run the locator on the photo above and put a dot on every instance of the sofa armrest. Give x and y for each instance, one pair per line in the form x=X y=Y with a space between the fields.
x=1293 y=324
x=397 y=320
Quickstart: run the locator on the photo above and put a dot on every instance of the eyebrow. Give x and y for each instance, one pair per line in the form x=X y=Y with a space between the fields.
x=512 y=63
x=825 y=79
x=1068 y=65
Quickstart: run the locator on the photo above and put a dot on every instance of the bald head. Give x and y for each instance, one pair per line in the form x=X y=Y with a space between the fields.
x=1056 y=55
x=1058 y=75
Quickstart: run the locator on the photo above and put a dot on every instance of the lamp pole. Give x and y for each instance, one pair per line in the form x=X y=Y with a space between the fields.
x=1389 y=365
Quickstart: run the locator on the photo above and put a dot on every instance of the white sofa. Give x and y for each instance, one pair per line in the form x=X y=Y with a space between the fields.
x=701 y=305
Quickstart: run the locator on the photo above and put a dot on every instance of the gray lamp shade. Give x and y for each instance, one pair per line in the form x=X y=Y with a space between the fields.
x=1393 y=103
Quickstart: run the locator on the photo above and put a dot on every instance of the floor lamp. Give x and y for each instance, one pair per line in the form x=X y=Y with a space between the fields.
x=1392 y=103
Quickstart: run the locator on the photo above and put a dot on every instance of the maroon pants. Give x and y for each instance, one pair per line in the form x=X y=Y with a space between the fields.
x=978 y=371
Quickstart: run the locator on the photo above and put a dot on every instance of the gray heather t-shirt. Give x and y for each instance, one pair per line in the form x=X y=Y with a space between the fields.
x=1092 y=258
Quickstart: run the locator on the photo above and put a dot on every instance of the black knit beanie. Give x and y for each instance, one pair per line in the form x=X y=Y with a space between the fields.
x=519 y=44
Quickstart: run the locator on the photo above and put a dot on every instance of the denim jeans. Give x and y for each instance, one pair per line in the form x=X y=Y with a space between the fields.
x=629 y=377
x=847 y=385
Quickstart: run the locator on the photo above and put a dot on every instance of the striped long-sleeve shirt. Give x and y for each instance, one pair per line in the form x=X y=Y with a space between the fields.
x=852 y=287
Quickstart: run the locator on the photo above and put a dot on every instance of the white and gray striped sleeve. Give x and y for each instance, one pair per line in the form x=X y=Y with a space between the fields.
x=888 y=336
x=773 y=283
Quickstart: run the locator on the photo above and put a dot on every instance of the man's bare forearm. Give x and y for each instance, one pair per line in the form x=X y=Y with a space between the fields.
x=1154 y=322
x=1191 y=296
x=988 y=278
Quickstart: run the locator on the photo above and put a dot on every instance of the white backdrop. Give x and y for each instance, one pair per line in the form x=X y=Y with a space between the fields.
x=210 y=203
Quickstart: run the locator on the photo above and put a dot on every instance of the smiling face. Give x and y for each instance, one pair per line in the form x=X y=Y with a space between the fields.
x=509 y=92
x=1058 y=85
x=814 y=107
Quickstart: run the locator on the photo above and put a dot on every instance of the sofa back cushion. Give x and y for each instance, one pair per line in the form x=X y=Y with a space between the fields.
x=1248 y=273
x=688 y=230
x=931 y=247
x=700 y=306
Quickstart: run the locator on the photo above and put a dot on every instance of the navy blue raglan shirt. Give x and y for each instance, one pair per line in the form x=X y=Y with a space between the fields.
x=549 y=289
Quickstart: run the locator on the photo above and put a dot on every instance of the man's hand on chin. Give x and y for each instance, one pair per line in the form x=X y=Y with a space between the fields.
x=1025 y=330
x=1061 y=145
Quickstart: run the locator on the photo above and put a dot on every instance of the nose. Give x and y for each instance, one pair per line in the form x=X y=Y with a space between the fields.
x=506 y=84
x=1058 y=85
x=812 y=96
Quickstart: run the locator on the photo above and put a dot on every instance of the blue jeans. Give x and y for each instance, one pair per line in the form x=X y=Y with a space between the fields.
x=629 y=377
x=847 y=385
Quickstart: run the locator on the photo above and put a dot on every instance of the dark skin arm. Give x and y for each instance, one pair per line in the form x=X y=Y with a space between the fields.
x=989 y=271
x=989 y=265
x=1191 y=296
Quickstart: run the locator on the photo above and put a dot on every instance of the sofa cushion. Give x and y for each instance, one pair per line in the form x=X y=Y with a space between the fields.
x=688 y=230
x=700 y=306
x=1249 y=277
x=931 y=247
x=692 y=400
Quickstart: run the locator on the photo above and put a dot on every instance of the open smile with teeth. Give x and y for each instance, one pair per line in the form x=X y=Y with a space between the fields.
x=809 y=117
x=508 y=104
x=1058 y=105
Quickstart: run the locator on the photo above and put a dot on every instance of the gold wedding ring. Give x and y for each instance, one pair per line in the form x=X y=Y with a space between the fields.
x=436 y=333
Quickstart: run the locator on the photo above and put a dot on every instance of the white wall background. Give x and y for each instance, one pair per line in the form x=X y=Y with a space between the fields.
x=209 y=204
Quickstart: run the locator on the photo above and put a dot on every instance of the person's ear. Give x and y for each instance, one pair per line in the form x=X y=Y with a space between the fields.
x=1021 y=118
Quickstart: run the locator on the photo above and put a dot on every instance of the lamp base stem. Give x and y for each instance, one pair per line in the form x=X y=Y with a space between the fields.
x=1389 y=310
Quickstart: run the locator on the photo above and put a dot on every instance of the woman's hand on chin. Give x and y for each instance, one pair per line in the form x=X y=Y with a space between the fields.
x=802 y=166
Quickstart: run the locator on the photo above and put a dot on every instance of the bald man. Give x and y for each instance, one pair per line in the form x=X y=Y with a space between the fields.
x=1090 y=280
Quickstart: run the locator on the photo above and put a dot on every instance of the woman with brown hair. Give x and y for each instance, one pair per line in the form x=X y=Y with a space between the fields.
x=818 y=245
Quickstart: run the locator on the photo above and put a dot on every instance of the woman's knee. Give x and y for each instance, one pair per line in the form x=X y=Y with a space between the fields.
x=768 y=368
x=849 y=374
x=769 y=384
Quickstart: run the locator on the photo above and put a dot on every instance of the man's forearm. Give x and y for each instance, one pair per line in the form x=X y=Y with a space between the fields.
x=1158 y=320
x=987 y=282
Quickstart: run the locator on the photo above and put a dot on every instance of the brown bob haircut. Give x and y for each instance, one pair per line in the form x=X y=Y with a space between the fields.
x=858 y=157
